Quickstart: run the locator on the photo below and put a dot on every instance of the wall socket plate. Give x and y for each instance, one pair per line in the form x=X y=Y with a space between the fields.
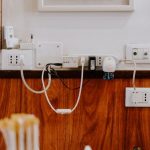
x=99 y=60
x=139 y=97
x=10 y=59
x=70 y=62
x=140 y=53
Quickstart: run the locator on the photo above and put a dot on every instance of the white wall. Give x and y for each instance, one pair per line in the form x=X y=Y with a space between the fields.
x=82 y=33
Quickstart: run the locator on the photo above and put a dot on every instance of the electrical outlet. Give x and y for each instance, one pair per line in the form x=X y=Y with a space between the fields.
x=10 y=59
x=13 y=60
x=139 y=97
x=99 y=61
x=140 y=53
x=70 y=62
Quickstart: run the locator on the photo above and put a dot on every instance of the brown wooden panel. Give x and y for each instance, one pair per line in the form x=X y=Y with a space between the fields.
x=101 y=120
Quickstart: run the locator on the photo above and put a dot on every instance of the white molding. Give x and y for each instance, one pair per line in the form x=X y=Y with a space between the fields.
x=58 y=8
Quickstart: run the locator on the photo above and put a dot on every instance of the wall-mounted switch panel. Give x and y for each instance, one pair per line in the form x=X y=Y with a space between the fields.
x=48 y=52
x=10 y=59
x=139 y=97
x=140 y=53
x=70 y=62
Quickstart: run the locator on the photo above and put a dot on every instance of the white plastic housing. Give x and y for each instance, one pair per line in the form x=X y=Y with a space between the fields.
x=49 y=53
x=63 y=111
x=10 y=59
x=11 y=41
x=70 y=62
x=8 y=32
x=139 y=97
x=140 y=53
x=109 y=64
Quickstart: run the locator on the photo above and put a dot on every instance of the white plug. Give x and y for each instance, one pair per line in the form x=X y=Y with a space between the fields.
x=109 y=64
x=82 y=60
x=22 y=60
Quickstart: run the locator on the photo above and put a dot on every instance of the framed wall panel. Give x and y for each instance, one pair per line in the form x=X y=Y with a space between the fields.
x=85 y=5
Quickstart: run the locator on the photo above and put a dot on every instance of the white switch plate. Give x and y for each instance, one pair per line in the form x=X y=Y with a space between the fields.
x=138 y=52
x=10 y=59
x=49 y=52
x=139 y=97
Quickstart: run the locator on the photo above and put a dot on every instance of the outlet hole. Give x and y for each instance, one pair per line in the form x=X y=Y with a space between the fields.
x=134 y=53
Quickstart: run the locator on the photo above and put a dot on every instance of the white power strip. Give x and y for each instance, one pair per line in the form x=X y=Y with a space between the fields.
x=139 y=97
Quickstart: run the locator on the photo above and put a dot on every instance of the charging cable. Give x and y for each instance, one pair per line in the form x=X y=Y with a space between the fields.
x=65 y=111
x=25 y=83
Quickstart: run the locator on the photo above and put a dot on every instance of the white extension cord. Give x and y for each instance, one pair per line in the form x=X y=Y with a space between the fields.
x=26 y=84
x=65 y=111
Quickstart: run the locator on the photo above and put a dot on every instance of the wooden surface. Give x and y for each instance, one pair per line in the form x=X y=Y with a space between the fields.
x=101 y=120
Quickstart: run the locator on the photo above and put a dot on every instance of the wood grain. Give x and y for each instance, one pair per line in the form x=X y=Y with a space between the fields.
x=101 y=120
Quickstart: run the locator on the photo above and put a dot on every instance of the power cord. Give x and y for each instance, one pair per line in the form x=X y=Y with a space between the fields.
x=65 y=111
x=26 y=84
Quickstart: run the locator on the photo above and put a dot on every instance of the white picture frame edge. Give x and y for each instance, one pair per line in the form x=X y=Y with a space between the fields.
x=89 y=8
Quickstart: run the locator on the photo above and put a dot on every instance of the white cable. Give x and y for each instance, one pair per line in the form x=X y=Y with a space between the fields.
x=65 y=111
x=48 y=101
x=80 y=90
x=27 y=86
x=134 y=72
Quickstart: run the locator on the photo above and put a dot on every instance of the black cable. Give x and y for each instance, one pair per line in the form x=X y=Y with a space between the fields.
x=52 y=71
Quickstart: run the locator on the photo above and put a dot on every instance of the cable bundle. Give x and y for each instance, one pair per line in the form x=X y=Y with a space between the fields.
x=20 y=132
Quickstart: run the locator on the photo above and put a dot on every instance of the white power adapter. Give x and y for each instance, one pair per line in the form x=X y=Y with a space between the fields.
x=109 y=67
x=11 y=41
x=109 y=64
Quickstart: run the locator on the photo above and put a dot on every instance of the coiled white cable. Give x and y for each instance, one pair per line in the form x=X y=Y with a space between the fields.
x=65 y=111
x=27 y=86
